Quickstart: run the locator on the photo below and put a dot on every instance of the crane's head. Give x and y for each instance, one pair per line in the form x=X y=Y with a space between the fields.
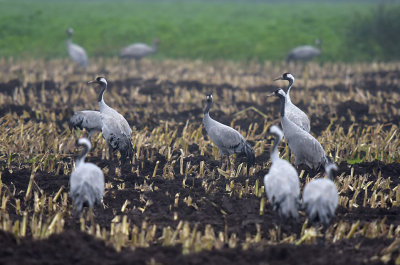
x=286 y=76
x=84 y=142
x=279 y=93
x=209 y=97
x=156 y=41
x=276 y=131
x=329 y=168
x=70 y=31
x=99 y=80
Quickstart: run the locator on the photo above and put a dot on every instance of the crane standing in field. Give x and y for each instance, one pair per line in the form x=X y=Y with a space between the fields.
x=292 y=112
x=87 y=180
x=320 y=197
x=306 y=149
x=282 y=182
x=139 y=50
x=304 y=53
x=227 y=139
x=76 y=52
x=115 y=128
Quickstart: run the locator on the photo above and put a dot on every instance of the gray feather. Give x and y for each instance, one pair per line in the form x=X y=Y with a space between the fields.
x=227 y=139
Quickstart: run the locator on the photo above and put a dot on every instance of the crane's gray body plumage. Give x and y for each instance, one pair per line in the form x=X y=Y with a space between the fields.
x=320 y=198
x=282 y=182
x=139 y=50
x=76 y=52
x=292 y=112
x=115 y=128
x=88 y=119
x=227 y=139
x=306 y=149
x=305 y=52
x=87 y=180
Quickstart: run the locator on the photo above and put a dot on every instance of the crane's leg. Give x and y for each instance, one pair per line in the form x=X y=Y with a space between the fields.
x=321 y=240
x=110 y=153
x=229 y=164
x=90 y=139
x=138 y=66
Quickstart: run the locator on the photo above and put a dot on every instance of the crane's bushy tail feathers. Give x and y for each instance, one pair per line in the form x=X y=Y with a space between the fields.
x=124 y=145
x=319 y=211
x=249 y=152
x=127 y=153
x=84 y=194
x=287 y=207
x=76 y=121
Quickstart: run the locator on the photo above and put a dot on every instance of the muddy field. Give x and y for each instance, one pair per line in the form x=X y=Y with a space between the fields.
x=174 y=204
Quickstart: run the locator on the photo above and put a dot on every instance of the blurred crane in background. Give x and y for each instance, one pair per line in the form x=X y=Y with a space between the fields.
x=304 y=53
x=139 y=50
x=76 y=52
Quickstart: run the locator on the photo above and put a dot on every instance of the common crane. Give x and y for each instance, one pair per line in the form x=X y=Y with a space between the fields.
x=76 y=52
x=227 y=139
x=87 y=180
x=88 y=119
x=306 y=149
x=320 y=197
x=115 y=128
x=139 y=50
x=293 y=113
x=305 y=52
x=282 y=182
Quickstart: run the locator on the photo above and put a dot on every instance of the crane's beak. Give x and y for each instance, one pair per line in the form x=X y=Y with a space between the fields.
x=278 y=78
x=93 y=81
x=272 y=94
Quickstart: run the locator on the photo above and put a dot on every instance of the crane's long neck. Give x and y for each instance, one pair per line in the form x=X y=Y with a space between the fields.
x=288 y=89
x=282 y=99
x=208 y=107
x=206 y=118
x=155 y=46
x=101 y=95
x=69 y=39
x=82 y=156
x=274 y=150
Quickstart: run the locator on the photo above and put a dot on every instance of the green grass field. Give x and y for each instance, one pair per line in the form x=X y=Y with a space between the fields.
x=205 y=30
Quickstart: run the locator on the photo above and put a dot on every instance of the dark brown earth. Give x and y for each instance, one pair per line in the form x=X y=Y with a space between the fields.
x=72 y=247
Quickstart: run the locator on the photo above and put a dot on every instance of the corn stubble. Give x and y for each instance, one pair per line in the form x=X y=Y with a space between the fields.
x=35 y=136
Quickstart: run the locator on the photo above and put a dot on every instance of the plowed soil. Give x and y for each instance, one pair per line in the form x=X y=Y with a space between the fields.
x=217 y=208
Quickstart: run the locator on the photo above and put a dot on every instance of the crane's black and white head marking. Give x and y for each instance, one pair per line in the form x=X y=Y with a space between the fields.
x=279 y=92
x=288 y=76
x=329 y=170
x=84 y=142
x=101 y=80
x=209 y=97
x=70 y=31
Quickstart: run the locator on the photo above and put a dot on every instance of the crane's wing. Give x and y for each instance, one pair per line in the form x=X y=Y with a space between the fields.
x=89 y=119
x=297 y=116
x=136 y=50
x=78 y=54
x=224 y=136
